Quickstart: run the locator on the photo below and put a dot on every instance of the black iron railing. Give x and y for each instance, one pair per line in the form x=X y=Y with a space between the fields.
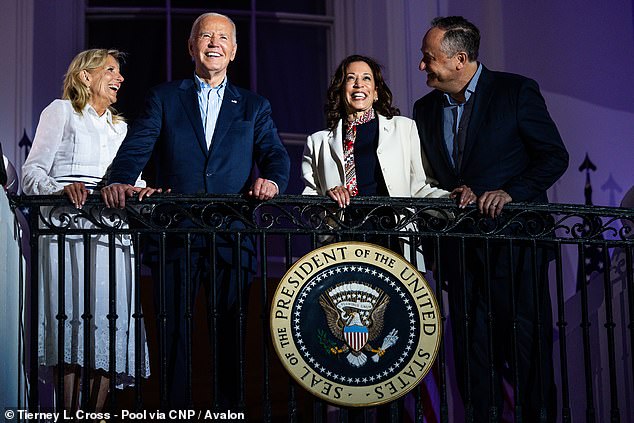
x=593 y=322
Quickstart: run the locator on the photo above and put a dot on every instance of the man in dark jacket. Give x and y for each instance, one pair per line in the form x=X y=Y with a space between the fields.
x=206 y=135
x=492 y=131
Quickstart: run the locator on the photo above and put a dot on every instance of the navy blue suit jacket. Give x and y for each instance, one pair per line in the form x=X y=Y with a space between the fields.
x=512 y=143
x=171 y=126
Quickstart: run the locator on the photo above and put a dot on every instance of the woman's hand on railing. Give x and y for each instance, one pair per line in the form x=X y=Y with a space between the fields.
x=341 y=195
x=77 y=193
x=465 y=196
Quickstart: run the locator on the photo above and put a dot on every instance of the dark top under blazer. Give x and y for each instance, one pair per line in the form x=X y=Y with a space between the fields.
x=512 y=143
x=171 y=125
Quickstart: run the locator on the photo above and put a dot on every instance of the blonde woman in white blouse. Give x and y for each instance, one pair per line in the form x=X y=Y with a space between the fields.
x=75 y=141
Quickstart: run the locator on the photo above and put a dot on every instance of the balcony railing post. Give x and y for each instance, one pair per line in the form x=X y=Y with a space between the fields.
x=629 y=260
x=162 y=324
x=264 y=318
x=585 y=327
x=138 y=322
x=113 y=320
x=188 y=315
x=34 y=323
x=609 y=326
x=88 y=321
x=562 y=326
x=61 y=323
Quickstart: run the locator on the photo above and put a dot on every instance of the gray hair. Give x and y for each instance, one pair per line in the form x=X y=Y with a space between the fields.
x=196 y=24
x=460 y=35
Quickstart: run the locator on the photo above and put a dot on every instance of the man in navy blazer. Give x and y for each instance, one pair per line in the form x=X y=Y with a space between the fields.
x=206 y=135
x=492 y=131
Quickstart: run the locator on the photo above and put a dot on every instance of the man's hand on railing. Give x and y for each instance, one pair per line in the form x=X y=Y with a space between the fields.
x=114 y=195
x=77 y=193
x=466 y=196
x=491 y=203
x=263 y=189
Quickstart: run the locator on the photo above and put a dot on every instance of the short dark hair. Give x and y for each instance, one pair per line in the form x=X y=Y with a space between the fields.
x=336 y=106
x=460 y=35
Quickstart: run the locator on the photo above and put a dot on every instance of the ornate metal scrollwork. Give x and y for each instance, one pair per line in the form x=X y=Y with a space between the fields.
x=311 y=214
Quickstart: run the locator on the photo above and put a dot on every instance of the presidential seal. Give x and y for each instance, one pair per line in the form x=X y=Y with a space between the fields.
x=355 y=324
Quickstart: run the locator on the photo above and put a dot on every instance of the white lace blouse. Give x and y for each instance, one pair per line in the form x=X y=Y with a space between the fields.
x=71 y=147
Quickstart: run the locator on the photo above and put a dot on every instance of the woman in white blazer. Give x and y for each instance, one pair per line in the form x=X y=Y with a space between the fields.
x=368 y=150
x=366 y=134
x=386 y=148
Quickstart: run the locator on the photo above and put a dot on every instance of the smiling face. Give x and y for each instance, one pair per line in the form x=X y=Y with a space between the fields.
x=360 y=88
x=212 y=47
x=441 y=70
x=104 y=83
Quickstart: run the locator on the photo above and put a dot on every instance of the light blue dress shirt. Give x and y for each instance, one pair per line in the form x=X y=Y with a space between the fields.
x=209 y=102
x=452 y=113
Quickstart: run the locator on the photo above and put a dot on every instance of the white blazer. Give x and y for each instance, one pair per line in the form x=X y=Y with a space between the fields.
x=398 y=152
x=399 y=155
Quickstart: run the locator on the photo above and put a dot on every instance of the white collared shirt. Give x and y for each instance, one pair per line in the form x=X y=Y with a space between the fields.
x=71 y=147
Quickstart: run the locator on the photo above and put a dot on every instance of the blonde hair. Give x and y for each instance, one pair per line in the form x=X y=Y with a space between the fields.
x=75 y=90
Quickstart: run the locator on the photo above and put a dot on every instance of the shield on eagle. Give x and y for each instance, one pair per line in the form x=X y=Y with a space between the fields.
x=356 y=336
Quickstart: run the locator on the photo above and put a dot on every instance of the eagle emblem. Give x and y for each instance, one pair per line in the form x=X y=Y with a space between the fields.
x=355 y=312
